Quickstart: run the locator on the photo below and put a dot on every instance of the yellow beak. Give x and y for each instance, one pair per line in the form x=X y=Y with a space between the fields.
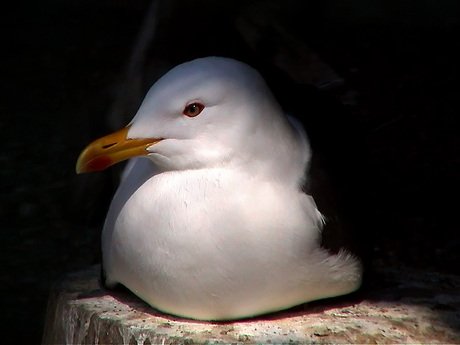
x=111 y=149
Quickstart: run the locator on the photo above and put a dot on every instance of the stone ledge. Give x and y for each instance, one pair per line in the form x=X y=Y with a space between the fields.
x=402 y=306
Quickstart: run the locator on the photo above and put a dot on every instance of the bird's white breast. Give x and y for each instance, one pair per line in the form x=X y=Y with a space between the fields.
x=204 y=239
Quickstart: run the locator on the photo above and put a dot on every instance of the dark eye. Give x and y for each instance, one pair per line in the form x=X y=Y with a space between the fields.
x=193 y=109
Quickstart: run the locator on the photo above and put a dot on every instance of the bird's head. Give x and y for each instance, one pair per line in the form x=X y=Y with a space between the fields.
x=203 y=113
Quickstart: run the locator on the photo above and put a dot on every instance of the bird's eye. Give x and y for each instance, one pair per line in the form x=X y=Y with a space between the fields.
x=193 y=109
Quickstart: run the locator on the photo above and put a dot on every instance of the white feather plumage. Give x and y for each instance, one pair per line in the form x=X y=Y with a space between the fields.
x=213 y=224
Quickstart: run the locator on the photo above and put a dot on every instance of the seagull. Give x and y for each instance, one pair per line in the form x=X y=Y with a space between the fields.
x=211 y=220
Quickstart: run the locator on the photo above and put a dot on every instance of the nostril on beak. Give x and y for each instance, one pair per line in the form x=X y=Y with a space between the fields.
x=108 y=145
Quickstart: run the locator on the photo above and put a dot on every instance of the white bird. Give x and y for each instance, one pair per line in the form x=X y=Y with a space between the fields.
x=212 y=223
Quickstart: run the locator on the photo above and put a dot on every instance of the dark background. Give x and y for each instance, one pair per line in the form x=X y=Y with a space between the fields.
x=64 y=62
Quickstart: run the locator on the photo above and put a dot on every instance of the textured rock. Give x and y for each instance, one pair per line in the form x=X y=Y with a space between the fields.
x=401 y=306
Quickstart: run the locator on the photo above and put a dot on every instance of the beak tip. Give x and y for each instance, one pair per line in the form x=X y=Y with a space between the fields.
x=80 y=166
